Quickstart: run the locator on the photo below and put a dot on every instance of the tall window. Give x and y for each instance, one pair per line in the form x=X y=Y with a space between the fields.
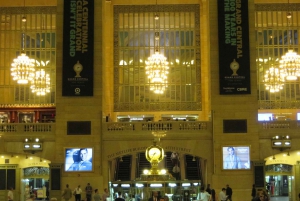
x=37 y=38
x=134 y=39
x=275 y=35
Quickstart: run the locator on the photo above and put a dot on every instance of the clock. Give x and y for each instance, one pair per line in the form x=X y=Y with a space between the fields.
x=77 y=68
x=154 y=153
x=234 y=66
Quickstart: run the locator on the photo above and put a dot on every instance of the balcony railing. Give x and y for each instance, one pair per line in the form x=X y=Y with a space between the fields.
x=20 y=128
x=157 y=126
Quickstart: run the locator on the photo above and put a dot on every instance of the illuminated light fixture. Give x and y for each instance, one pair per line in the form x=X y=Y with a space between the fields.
x=156 y=185
x=186 y=184
x=290 y=62
x=139 y=185
x=40 y=85
x=37 y=139
x=281 y=142
x=115 y=185
x=125 y=185
x=23 y=68
x=172 y=184
x=163 y=171
x=196 y=184
x=274 y=79
x=157 y=68
x=36 y=146
x=146 y=171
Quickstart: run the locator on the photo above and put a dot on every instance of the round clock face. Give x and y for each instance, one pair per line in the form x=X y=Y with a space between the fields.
x=234 y=66
x=154 y=153
x=78 y=67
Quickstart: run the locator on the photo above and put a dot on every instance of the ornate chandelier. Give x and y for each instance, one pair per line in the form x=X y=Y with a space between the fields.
x=290 y=63
x=274 y=79
x=41 y=83
x=22 y=68
x=157 y=68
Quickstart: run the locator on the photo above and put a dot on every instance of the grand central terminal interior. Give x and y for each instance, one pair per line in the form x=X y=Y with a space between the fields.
x=142 y=96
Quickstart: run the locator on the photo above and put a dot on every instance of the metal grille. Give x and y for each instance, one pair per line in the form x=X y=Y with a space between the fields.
x=274 y=36
x=40 y=44
x=179 y=28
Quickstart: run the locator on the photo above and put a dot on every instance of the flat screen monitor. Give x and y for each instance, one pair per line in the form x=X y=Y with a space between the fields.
x=236 y=157
x=79 y=159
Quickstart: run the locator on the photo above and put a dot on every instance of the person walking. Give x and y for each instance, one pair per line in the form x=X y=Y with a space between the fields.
x=119 y=198
x=105 y=195
x=97 y=196
x=67 y=194
x=253 y=193
x=77 y=193
x=10 y=194
x=88 y=191
x=222 y=195
x=229 y=192
x=204 y=196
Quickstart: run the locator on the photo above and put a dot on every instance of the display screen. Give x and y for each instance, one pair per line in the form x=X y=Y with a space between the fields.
x=237 y=157
x=78 y=159
x=265 y=117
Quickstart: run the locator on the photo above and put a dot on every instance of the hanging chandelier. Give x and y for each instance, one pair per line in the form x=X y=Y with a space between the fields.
x=22 y=68
x=290 y=63
x=157 y=68
x=41 y=83
x=274 y=79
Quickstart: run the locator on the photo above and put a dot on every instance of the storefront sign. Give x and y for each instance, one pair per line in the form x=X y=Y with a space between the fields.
x=234 y=56
x=78 y=47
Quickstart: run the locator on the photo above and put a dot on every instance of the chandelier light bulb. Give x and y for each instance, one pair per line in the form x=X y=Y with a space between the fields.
x=22 y=69
x=290 y=64
x=157 y=71
x=41 y=83
x=274 y=79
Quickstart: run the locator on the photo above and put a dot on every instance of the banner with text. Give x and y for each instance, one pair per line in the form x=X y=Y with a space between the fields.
x=78 y=48
x=234 y=56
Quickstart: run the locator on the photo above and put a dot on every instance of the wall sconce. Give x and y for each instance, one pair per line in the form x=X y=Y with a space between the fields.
x=32 y=146
x=281 y=142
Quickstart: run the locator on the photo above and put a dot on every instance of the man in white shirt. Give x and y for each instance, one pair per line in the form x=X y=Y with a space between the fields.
x=77 y=193
x=204 y=196
x=10 y=194
x=222 y=195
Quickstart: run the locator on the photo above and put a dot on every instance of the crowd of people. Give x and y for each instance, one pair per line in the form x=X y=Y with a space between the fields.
x=207 y=194
x=90 y=194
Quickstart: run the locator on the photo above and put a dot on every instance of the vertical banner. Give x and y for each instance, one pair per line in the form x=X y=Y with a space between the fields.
x=234 y=56
x=78 y=48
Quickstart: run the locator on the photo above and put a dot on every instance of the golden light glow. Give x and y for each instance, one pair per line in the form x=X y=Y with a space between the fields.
x=40 y=85
x=290 y=64
x=22 y=69
x=157 y=70
x=274 y=79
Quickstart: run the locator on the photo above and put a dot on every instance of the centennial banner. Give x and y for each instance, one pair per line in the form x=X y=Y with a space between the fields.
x=234 y=55
x=78 y=48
